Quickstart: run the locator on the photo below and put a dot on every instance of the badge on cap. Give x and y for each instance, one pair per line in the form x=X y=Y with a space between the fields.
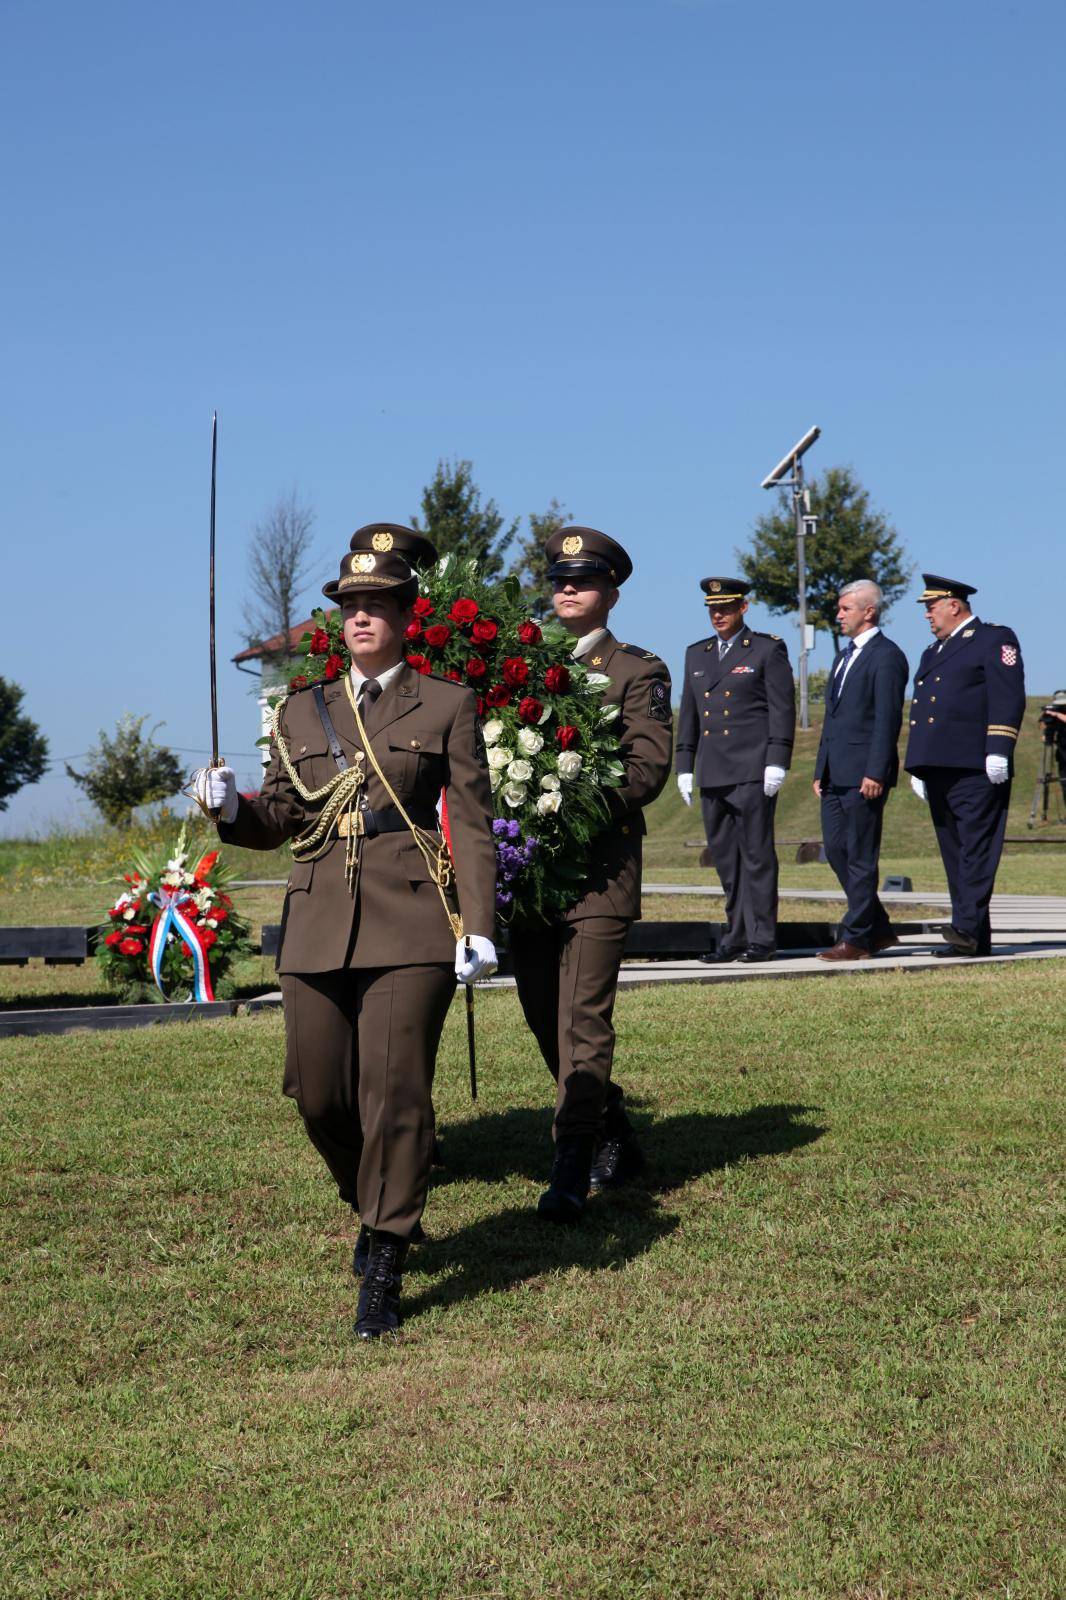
x=363 y=561
x=382 y=540
x=716 y=587
x=572 y=545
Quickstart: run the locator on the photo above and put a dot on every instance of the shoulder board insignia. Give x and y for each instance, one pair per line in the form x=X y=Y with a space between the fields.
x=438 y=677
x=298 y=688
x=635 y=650
x=968 y=633
x=776 y=637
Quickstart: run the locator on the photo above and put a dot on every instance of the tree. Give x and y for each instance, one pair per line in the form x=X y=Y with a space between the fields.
x=279 y=565
x=23 y=747
x=852 y=541
x=531 y=563
x=457 y=522
x=128 y=770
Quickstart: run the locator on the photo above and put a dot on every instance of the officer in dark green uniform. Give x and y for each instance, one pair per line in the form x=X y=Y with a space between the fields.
x=734 y=741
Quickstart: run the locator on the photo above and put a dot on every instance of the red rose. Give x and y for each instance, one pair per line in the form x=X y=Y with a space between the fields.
x=420 y=664
x=557 y=680
x=413 y=630
x=529 y=633
x=453 y=676
x=530 y=710
x=333 y=666
x=438 y=635
x=319 y=642
x=422 y=607
x=568 y=736
x=515 y=672
x=299 y=682
x=476 y=668
x=498 y=696
x=462 y=612
x=131 y=947
x=115 y=938
x=484 y=630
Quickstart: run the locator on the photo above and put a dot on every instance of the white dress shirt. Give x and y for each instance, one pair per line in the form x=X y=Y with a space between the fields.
x=844 y=667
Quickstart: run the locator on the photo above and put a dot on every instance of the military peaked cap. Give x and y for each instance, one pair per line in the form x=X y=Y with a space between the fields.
x=937 y=588
x=575 y=552
x=723 y=591
x=382 y=537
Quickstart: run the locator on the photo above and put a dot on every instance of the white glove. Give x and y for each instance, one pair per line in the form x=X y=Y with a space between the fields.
x=772 y=779
x=919 y=788
x=684 y=783
x=216 y=788
x=997 y=768
x=479 y=963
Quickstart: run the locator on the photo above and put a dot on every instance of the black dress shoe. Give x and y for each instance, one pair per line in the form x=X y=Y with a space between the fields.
x=758 y=952
x=568 y=1187
x=618 y=1159
x=961 y=943
x=379 y=1295
x=724 y=953
x=951 y=953
x=361 y=1253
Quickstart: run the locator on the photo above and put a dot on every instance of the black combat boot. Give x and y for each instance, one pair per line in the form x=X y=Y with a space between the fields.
x=379 y=1295
x=619 y=1156
x=568 y=1188
x=361 y=1253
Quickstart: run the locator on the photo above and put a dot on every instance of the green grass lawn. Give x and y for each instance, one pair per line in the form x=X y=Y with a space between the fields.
x=816 y=1355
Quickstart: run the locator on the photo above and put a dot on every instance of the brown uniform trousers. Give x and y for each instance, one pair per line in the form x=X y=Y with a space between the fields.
x=567 y=974
x=367 y=977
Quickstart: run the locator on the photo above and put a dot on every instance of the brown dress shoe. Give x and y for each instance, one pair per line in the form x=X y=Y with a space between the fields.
x=844 y=952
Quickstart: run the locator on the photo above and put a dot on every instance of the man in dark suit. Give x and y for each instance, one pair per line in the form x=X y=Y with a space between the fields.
x=857 y=765
x=734 y=739
x=967 y=709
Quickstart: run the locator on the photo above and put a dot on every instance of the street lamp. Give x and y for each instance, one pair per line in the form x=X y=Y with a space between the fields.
x=806 y=526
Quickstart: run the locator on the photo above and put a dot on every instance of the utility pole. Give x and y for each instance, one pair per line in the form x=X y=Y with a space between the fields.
x=806 y=525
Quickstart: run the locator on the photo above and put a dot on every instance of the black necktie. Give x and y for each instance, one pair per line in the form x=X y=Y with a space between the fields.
x=368 y=692
x=838 y=681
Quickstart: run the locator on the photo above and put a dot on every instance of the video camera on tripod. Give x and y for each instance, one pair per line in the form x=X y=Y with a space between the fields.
x=1052 y=754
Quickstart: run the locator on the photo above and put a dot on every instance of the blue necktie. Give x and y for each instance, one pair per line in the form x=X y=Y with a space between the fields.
x=838 y=681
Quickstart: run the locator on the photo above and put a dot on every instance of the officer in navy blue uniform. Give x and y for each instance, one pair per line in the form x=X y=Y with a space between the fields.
x=969 y=699
x=734 y=740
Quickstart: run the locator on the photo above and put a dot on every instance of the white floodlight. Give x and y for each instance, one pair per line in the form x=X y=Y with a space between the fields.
x=788 y=463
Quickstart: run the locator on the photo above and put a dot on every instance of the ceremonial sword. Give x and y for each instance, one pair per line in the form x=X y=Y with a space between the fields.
x=216 y=759
x=469 y=987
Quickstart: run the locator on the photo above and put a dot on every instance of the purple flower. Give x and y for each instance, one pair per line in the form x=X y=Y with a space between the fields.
x=500 y=827
x=503 y=899
x=513 y=830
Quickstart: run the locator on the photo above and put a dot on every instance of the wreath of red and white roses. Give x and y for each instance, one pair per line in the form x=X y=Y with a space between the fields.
x=549 y=741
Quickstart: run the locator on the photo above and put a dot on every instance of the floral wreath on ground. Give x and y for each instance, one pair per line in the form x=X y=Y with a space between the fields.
x=549 y=742
x=173 y=930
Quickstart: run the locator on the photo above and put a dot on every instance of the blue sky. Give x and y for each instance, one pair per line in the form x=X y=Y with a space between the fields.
x=623 y=254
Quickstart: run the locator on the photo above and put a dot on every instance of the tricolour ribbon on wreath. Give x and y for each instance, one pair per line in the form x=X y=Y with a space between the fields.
x=171 y=916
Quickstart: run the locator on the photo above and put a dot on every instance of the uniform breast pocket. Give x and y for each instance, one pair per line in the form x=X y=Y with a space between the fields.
x=313 y=762
x=416 y=760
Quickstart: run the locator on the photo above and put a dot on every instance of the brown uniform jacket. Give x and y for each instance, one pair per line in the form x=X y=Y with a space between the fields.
x=640 y=685
x=425 y=735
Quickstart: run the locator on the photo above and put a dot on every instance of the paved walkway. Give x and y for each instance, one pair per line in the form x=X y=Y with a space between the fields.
x=1010 y=912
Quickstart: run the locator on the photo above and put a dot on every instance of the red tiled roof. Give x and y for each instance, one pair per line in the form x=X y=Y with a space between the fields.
x=271 y=646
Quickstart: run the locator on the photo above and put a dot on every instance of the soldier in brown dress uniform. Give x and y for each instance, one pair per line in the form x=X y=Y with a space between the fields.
x=567 y=973
x=370 y=951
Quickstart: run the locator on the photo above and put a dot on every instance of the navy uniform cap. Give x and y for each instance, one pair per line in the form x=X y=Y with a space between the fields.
x=575 y=552
x=937 y=588
x=723 y=591
x=382 y=537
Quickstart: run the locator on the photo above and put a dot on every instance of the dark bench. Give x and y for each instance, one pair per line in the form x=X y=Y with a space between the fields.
x=58 y=947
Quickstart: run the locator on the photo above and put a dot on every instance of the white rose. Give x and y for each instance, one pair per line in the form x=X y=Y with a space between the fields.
x=520 y=772
x=499 y=757
x=172 y=880
x=515 y=794
x=531 y=741
x=569 y=764
x=550 y=802
x=549 y=781
x=495 y=779
x=492 y=730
